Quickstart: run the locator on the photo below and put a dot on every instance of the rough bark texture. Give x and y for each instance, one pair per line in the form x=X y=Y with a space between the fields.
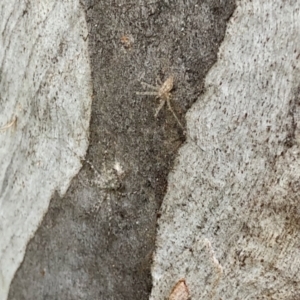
x=230 y=219
x=45 y=104
x=228 y=226
x=97 y=241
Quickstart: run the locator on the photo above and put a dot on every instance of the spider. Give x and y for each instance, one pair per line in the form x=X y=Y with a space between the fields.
x=163 y=93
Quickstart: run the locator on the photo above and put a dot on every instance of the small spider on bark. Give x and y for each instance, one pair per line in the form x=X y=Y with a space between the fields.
x=162 y=92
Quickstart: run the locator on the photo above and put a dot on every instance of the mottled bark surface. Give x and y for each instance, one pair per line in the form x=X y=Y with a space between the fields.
x=44 y=116
x=97 y=241
x=230 y=219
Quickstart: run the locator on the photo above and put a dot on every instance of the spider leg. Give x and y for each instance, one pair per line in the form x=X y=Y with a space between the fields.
x=158 y=81
x=161 y=105
x=150 y=86
x=171 y=109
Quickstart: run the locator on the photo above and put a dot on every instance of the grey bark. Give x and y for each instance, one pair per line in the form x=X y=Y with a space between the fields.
x=98 y=240
x=228 y=223
x=230 y=219
x=45 y=104
x=101 y=235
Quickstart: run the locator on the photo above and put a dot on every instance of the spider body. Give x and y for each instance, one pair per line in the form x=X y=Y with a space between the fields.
x=162 y=92
x=165 y=90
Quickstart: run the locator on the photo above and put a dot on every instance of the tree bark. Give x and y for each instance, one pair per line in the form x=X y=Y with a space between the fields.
x=228 y=224
x=230 y=219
